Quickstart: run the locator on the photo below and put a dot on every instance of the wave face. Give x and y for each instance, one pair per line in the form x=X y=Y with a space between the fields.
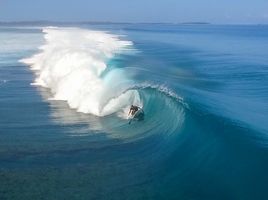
x=71 y=64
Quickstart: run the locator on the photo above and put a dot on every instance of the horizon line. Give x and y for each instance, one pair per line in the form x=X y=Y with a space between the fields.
x=120 y=22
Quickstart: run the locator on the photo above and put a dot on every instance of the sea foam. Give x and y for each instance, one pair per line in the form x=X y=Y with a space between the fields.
x=71 y=64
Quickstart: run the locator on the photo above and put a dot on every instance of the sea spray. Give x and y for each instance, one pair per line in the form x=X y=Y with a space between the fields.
x=71 y=63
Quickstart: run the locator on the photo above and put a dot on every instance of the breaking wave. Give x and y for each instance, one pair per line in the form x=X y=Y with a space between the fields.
x=71 y=64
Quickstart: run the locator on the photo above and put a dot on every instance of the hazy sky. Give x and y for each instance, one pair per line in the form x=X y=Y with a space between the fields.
x=215 y=11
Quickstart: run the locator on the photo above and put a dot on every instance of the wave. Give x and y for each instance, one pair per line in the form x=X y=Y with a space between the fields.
x=164 y=116
x=71 y=64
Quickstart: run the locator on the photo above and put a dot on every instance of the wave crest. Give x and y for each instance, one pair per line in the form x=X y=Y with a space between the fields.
x=70 y=64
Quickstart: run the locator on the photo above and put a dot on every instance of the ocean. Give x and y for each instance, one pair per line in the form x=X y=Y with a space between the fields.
x=65 y=94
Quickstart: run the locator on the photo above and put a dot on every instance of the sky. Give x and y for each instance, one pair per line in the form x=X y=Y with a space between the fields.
x=170 y=11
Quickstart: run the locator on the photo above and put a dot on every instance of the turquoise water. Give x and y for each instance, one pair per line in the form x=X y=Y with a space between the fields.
x=204 y=91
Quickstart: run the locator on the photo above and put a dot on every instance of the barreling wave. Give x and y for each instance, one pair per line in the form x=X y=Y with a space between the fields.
x=71 y=63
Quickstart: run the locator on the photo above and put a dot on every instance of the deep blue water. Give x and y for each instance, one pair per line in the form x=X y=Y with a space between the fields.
x=205 y=135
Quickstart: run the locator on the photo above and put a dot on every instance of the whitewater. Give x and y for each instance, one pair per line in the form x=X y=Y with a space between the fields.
x=72 y=64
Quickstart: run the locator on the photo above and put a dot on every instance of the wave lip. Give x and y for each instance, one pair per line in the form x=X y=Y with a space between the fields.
x=70 y=64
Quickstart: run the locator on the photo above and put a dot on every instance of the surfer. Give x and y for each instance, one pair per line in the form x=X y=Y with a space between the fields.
x=133 y=109
x=136 y=113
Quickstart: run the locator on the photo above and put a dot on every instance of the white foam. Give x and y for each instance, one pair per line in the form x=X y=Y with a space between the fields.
x=71 y=63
